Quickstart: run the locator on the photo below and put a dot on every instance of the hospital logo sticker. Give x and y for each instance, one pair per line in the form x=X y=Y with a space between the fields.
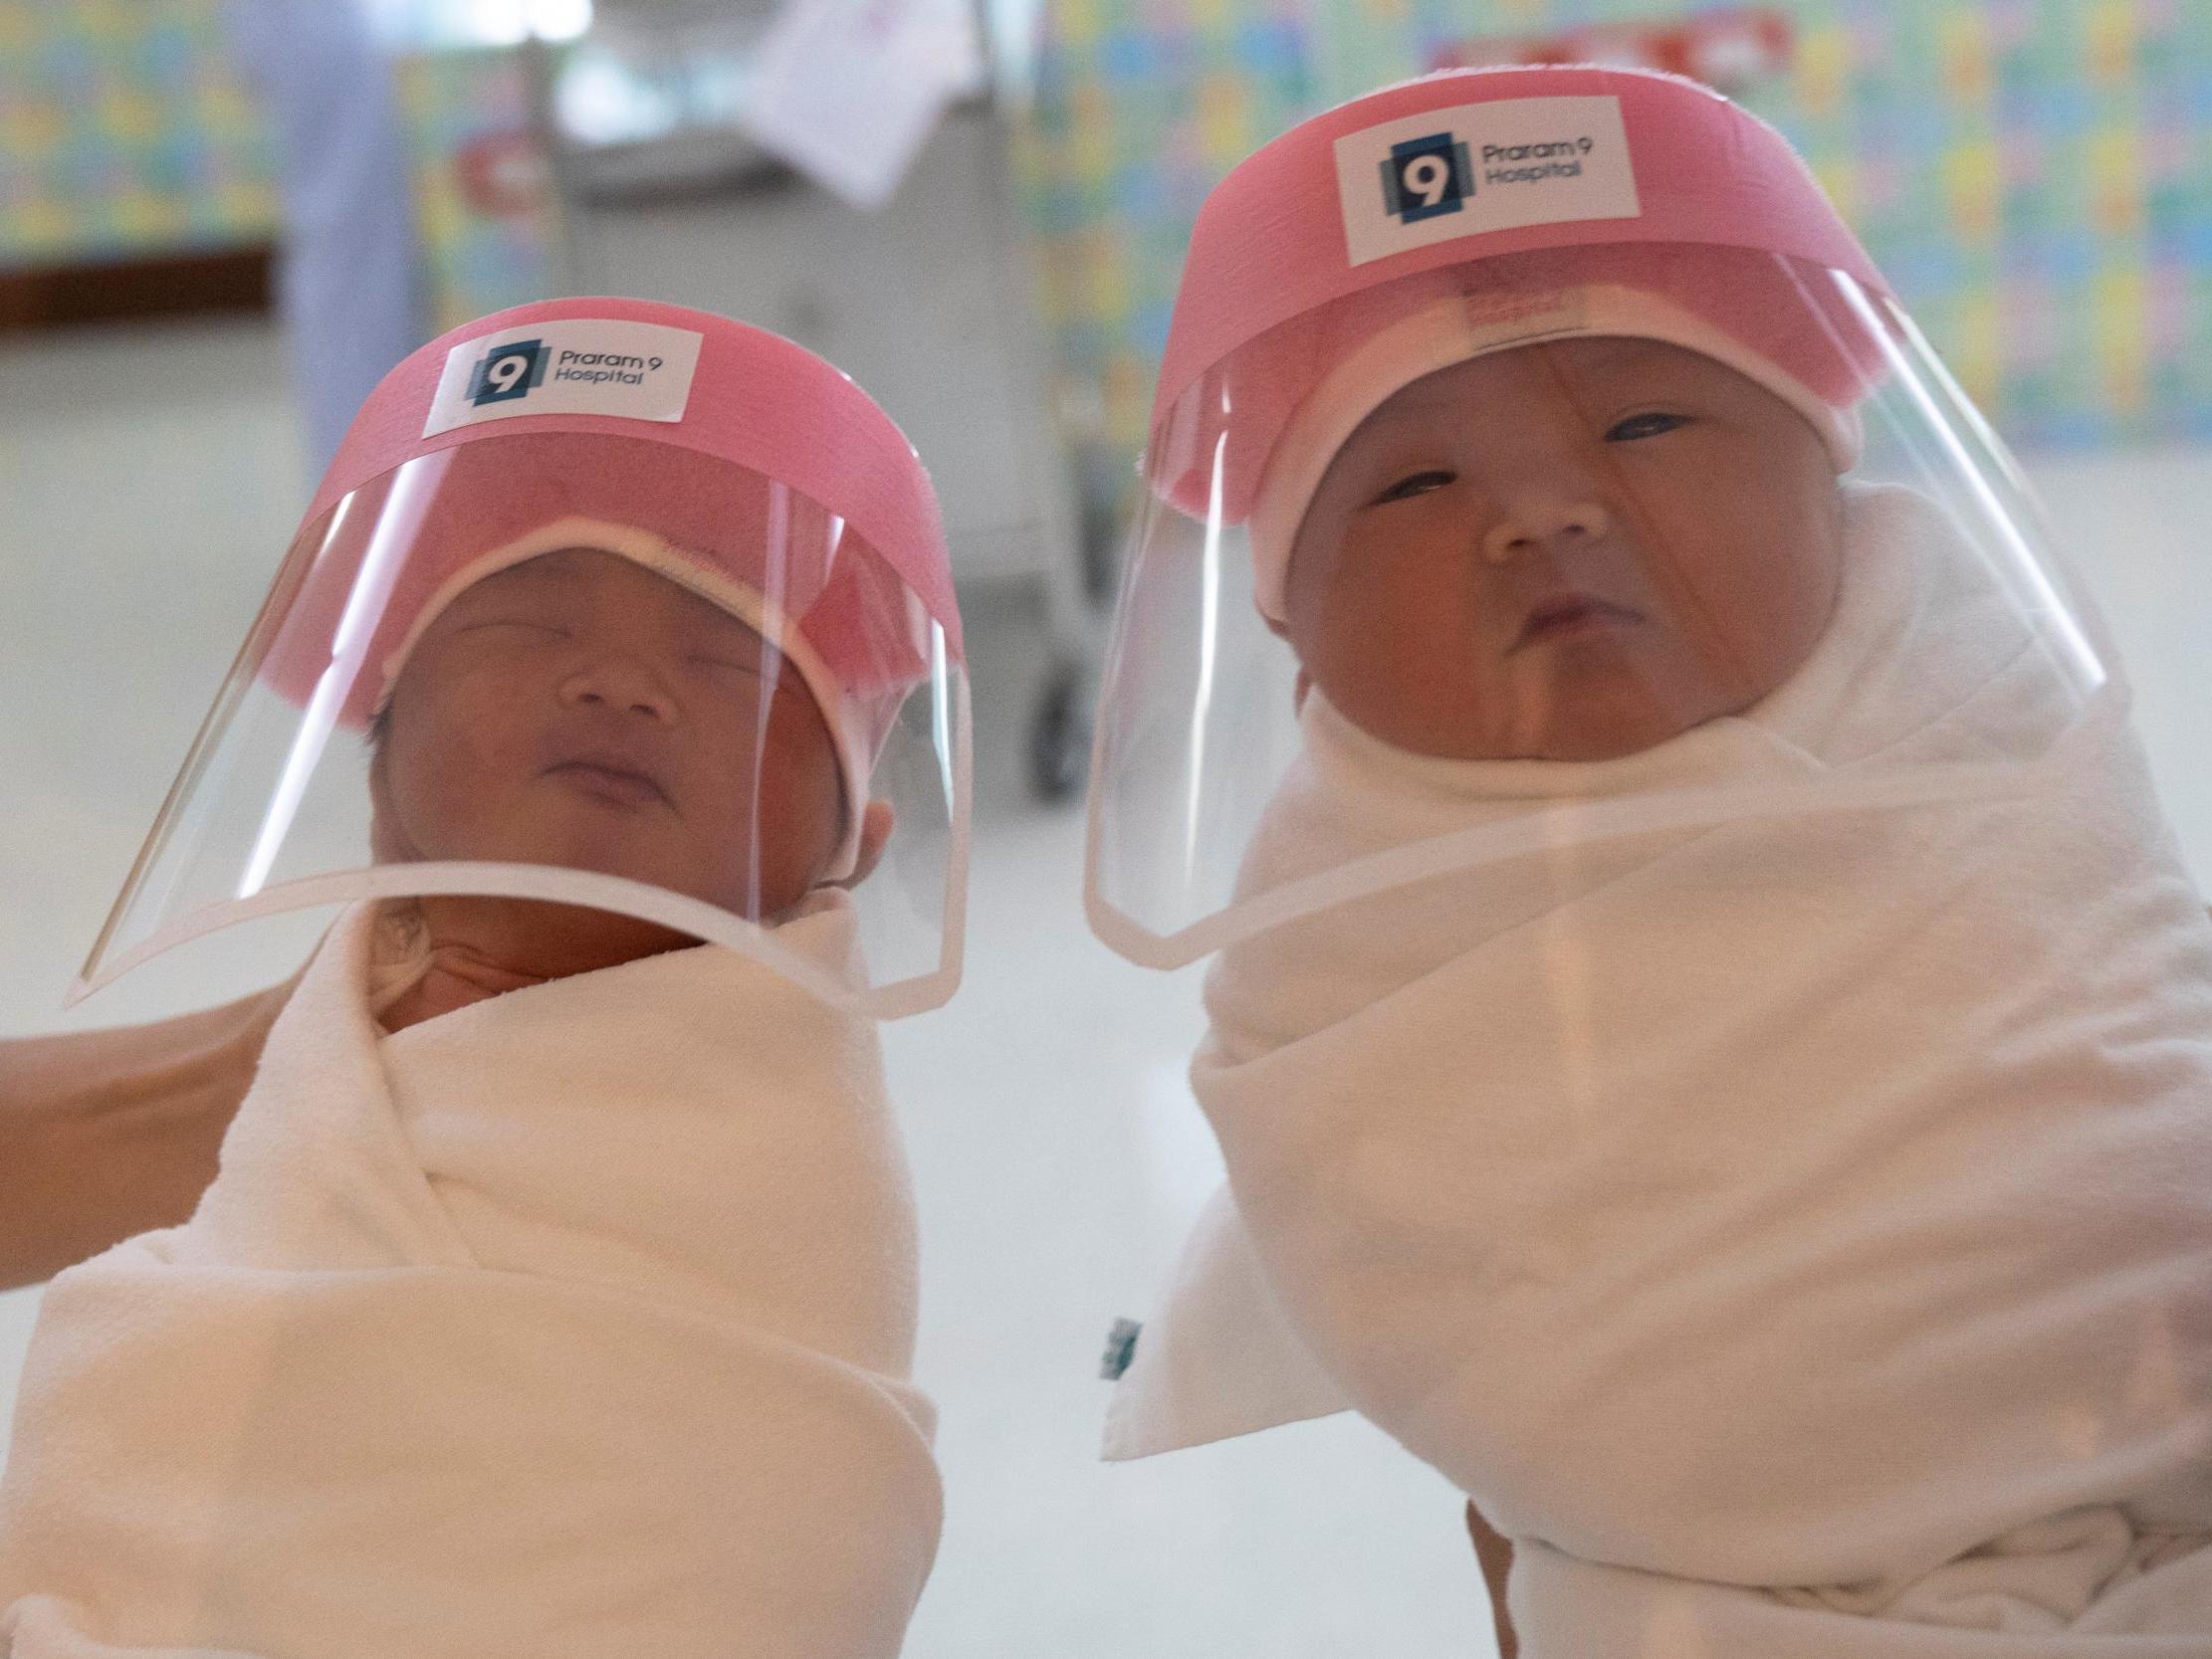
x=1423 y=177
x=587 y=365
x=508 y=371
x=1471 y=169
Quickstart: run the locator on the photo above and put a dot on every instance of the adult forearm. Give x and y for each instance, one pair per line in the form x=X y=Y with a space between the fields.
x=107 y=1134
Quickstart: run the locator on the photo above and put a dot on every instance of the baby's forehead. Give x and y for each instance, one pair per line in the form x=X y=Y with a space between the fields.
x=1586 y=361
x=582 y=581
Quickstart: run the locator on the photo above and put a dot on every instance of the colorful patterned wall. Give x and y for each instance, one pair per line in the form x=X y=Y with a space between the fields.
x=2033 y=175
x=485 y=210
x=1140 y=106
x=124 y=131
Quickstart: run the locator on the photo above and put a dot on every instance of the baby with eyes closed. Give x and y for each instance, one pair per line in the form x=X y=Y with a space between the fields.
x=556 y=1292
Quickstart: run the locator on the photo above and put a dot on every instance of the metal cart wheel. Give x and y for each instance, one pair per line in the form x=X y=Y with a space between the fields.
x=1060 y=734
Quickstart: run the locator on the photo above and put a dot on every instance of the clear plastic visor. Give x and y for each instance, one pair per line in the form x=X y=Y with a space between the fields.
x=1513 y=556
x=595 y=673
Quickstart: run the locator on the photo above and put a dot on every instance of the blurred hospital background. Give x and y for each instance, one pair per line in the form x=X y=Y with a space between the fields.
x=221 y=218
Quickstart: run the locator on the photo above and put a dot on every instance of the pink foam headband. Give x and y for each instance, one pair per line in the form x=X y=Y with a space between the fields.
x=717 y=390
x=1303 y=253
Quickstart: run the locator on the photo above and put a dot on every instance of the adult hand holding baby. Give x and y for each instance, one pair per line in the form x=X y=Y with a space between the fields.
x=111 y=1132
x=107 y=1134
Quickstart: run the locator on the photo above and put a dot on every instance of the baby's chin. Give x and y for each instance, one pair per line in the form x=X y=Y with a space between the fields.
x=1607 y=735
x=765 y=896
x=544 y=936
x=1596 y=731
x=1573 y=706
x=634 y=853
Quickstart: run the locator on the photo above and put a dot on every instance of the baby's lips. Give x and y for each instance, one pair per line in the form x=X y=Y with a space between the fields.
x=615 y=772
x=1567 y=612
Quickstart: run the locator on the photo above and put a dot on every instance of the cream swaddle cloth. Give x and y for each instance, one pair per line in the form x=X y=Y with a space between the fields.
x=1797 y=1203
x=575 y=1322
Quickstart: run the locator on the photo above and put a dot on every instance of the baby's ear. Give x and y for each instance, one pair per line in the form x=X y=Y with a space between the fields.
x=1281 y=630
x=386 y=845
x=875 y=834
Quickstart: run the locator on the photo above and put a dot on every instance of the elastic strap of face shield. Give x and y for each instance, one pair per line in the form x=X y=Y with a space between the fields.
x=1454 y=329
x=847 y=728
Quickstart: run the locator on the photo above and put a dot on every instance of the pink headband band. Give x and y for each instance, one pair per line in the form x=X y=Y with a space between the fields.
x=1494 y=182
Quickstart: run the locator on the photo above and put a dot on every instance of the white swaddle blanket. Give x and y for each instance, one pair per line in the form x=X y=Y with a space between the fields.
x=1796 y=1234
x=575 y=1322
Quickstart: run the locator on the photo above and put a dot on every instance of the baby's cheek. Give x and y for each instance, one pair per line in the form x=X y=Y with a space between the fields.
x=447 y=799
x=464 y=773
x=1375 y=599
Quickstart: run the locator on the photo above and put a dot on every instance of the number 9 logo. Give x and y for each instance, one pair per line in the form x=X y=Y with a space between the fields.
x=1426 y=177
x=508 y=372
x=502 y=376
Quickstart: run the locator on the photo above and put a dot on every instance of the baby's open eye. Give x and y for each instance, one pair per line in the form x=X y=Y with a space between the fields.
x=1416 y=483
x=1647 y=425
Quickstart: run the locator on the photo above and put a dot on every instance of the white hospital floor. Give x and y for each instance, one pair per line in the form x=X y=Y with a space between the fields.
x=148 y=480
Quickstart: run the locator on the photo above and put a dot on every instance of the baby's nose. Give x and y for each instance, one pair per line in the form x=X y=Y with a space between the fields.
x=1543 y=524
x=619 y=681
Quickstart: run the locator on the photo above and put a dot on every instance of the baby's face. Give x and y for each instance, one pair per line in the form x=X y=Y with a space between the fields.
x=1565 y=551
x=578 y=709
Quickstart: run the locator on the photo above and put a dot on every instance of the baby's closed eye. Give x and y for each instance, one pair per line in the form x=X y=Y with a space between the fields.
x=1417 y=483
x=547 y=630
x=724 y=665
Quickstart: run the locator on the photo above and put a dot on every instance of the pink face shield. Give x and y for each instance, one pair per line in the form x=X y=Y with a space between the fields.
x=1542 y=438
x=605 y=603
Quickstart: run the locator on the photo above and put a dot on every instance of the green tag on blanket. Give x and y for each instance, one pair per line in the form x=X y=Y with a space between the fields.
x=1121 y=1349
